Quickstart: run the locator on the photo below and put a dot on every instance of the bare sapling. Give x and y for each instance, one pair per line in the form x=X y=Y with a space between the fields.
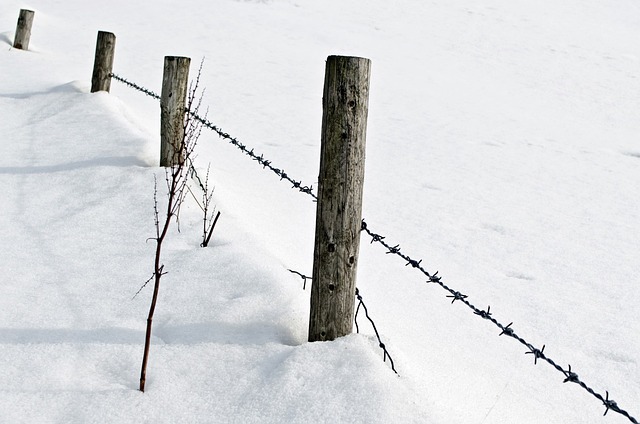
x=209 y=214
x=208 y=219
x=176 y=177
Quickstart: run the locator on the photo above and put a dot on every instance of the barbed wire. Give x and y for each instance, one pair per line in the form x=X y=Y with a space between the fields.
x=380 y=344
x=135 y=86
x=507 y=330
x=266 y=164
x=260 y=159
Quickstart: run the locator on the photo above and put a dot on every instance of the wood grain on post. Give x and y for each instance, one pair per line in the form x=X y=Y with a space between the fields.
x=23 y=29
x=339 y=209
x=103 y=63
x=172 y=109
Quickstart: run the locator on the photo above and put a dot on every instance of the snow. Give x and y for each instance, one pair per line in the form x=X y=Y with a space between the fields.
x=502 y=150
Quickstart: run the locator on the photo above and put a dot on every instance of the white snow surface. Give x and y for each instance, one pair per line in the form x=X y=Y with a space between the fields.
x=503 y=150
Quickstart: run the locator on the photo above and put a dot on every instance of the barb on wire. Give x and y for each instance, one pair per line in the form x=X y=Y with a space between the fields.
x=610 y=404
x=304 y=278
x=505 y=330
x=572 y=377
x=457 y=296
x=485 y=314
x=380 y=344
x=536 y=353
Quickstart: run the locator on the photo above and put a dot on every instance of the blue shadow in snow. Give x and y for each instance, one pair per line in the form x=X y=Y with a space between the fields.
x=250 y=333
x=4 y=37
x=114 y=161
x=108 y=335
x=256 y=333
x=70 y=87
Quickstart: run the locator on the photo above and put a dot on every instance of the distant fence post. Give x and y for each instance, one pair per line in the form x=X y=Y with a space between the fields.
x=23 y=29
x=172 y=109
x=339 y=210
x=103 y=62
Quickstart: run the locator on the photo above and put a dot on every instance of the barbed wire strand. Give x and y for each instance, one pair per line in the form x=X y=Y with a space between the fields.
x=260 y=159
x=266 y=164
x=507 y=330
x=135 y=86
x=380 y=344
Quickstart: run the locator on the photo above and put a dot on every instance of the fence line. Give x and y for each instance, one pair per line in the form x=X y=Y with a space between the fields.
x=507 y=330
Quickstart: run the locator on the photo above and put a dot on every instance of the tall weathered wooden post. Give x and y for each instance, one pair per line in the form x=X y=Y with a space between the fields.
x=23 y=29
x=339 y=210
x=103 y=62
x=172 y=109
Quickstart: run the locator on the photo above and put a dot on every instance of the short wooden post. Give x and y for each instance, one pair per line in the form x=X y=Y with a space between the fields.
x=23 y=29
x=339 y=209
x=103 y=62
x=172 y=109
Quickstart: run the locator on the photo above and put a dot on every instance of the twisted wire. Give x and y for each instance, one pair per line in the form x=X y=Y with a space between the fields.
x=505 y=330
x=380 y=344
x=266 y=164
x=304 y=278
x=135 y=86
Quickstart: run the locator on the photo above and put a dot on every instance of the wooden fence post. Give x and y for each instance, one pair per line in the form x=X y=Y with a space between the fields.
x=172 y=109
x=339 y=210
x=23 y=29
x=103 y=62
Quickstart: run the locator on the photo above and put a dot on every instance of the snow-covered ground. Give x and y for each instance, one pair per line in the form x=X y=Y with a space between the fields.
x=503 y=150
